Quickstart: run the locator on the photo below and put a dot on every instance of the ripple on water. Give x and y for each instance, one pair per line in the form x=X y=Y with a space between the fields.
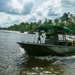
x=36 y=66
x=14 y=61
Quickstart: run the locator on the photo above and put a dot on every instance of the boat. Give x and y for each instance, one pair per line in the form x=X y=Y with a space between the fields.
x=52 y=45
x=21 y=31
x=31 y=32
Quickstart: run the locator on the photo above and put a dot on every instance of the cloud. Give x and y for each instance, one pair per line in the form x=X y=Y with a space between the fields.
x=24 y=7
x=16 y=11
x=32 y=18
x=4 y=5
x=27 y=7
x=49 y=9
x=8 y=20
x=20 y=7
x=52 y=9
x=68 y=3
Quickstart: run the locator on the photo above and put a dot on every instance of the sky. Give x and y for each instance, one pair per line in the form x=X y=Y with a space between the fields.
x=17 y=11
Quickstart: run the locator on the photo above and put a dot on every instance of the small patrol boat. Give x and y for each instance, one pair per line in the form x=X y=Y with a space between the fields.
x=52 y=45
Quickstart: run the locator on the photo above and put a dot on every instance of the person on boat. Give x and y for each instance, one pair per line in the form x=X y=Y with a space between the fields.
x=39 y=36
x=55 y=37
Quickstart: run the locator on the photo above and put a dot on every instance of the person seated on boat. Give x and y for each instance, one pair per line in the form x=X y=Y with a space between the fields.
x=39 y=36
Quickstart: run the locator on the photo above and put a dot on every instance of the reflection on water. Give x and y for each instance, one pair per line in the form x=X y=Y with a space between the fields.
x=14 y=60
x=35 y=66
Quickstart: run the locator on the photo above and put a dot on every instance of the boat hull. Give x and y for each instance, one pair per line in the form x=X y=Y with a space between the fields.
x=33 y=49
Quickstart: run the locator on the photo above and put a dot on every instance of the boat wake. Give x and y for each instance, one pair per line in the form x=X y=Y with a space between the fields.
x=58 y=59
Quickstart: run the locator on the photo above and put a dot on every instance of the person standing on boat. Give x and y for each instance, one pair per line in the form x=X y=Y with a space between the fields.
x=39 y=37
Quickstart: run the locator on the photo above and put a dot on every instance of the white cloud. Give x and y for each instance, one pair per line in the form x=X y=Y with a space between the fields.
x=16 y=11
x=8 y=19
x=22 y=7
x=49 y=9
x=45 y=11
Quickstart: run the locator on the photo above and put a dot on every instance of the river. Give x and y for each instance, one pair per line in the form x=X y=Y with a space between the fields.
x=14 y=60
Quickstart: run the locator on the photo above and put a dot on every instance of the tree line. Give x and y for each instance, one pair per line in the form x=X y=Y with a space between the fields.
x=67 y=19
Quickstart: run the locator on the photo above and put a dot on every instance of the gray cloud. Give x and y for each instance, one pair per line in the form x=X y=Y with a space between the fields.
x=33 y=18
x=27 y=7
x=4 y=5
x=51 y=12
x=68 y=3
x=19 y=7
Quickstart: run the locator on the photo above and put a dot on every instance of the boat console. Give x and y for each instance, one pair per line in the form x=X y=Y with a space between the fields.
x=54 y=40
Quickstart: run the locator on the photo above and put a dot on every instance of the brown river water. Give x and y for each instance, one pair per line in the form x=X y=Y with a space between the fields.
x=14 y=60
